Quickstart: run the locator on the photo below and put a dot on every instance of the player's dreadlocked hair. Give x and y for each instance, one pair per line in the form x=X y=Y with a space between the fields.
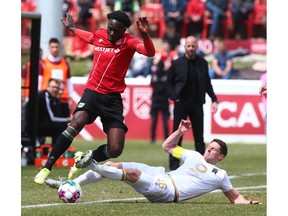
x=120 y=16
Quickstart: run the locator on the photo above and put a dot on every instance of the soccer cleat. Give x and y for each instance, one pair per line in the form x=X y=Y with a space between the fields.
x=74 y=170
x=41 y=176
x=85 y=159
x=53 y=183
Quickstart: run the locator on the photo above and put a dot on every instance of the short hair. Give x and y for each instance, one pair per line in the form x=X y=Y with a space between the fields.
x=54 y=80
x=120 y=16
x=223 y=146
x=54 y=40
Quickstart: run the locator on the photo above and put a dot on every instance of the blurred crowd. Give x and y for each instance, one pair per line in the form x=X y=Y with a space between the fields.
x=171 y=21
x=203 y=18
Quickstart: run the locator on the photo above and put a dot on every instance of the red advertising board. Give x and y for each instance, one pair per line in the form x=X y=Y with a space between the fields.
x=239 y=115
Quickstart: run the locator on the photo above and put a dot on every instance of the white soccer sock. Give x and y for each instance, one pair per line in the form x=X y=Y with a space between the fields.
x=108 y=171
x=88 y=177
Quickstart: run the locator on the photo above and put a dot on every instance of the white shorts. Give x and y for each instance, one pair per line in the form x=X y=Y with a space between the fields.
x=154 y=182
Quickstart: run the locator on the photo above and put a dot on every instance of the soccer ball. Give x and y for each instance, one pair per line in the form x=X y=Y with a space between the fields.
x=69 y=191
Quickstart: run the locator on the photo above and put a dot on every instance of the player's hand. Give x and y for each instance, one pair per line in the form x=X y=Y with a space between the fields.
x=214 y=107
x=184 y=126
x=142 y=25
x=252 y=202
x=68 y=22
x=263 y=89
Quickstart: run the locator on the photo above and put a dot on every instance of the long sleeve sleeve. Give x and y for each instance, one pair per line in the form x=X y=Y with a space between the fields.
x=148 y=49
x=85 y=35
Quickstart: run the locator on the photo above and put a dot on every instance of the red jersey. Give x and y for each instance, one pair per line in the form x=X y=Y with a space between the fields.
x=111 y=60
x=79 y=44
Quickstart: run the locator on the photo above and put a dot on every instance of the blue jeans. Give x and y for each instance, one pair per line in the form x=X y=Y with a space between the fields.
x=143 y=71
x=217 y=15
x=213 y=75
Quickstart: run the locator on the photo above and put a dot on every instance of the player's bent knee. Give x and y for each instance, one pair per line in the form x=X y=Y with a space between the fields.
x=114 y=153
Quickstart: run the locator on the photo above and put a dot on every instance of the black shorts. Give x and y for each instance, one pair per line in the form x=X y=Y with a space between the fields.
x=108 y=107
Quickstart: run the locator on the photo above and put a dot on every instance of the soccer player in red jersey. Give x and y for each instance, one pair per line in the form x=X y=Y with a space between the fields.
x=113 y=53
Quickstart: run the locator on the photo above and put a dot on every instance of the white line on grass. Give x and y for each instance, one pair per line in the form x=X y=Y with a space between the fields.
x=246 y=174
x=121 y=200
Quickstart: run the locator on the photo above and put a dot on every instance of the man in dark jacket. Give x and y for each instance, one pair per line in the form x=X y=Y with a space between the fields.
x=51 y=119
x=188 y=83
x=160 y=98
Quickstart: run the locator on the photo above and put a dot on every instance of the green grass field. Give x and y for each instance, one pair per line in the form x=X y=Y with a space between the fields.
x=246 y=163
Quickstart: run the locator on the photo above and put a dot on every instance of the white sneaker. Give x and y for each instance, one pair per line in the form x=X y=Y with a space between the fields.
x=53 y=183
x=85 y=159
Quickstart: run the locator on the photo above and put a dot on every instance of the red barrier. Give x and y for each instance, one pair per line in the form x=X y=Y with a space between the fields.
x=239 y=116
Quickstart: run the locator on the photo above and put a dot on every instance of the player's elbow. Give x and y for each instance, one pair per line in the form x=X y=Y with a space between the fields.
x=166 y=148
x=151 y=53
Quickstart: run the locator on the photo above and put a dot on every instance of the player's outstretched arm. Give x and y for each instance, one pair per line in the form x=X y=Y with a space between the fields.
x=236 y=198
x=68 y=22
x=143 y=27
x=171 y=142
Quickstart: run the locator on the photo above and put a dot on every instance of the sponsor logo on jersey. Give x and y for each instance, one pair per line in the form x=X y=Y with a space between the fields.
x=106 y=50
x=81 y=104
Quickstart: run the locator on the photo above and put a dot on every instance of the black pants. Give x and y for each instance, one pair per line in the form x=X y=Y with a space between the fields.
x=194 y=111
x=53 y=129
x=165 y=118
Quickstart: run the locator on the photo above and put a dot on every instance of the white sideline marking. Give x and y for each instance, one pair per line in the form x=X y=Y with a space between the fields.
x=246 y=174
x=126 y=199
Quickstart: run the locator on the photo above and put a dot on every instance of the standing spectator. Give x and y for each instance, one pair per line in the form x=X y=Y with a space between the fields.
x=195 y=12
x=167 y=54
x=55 y=66
x=114 y=50
x=216 y=9
x=50 y=120
x=172 y=36
x=160 y=98
x=188 y=83
x=240 y=10
x=222 y=64
x=174 y=12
